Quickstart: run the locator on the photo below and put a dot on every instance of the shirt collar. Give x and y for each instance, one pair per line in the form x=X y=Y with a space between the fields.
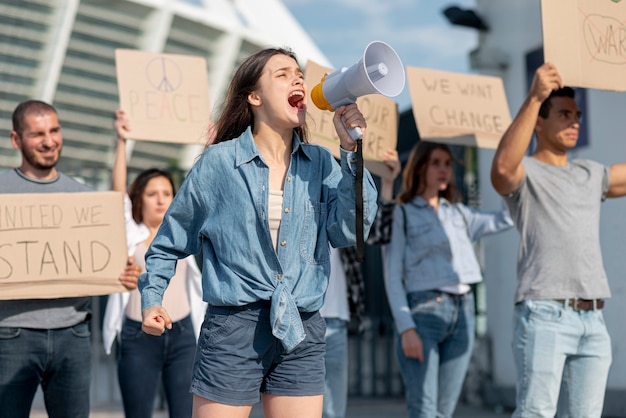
x=421 y=203
x=247 y=151
x=35 y=180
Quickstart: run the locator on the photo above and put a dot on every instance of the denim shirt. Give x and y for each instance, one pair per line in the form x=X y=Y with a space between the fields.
x=222 y=209
x=430 y=250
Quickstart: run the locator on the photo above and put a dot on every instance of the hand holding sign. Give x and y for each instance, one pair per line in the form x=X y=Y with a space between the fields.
x=62 y=245
x=546 y=80
x=590 y=49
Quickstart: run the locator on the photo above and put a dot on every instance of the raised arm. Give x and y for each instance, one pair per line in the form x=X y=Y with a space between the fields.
x=118 y=183
x=393 y=162
x=119 y=173
x=617 y=178
x=380 y=232
x=507 y=171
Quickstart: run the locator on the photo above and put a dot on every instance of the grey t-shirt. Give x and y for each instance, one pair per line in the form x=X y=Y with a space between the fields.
x=557 y=212
x=42 y=313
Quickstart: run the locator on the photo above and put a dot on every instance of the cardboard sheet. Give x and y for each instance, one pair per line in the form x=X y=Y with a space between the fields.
x=165 y=96
x=61 y=244
x=459 y=109
x=586 y=40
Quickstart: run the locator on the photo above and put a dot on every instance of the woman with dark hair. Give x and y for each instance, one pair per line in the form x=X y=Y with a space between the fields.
x=263 y=206
x=430 y=264
x=145 y=360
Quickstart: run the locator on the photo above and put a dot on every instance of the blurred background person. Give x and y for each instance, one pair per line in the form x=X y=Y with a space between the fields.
x=146 y=362
x=430 y=264
x=45 y=342
x=344 y=301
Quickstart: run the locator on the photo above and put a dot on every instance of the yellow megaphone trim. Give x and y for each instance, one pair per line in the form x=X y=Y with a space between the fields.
x=317 y=95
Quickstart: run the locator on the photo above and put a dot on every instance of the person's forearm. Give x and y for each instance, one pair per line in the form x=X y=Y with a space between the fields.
x=119 y=172
x=386 y=190
x=617 y=180
x=507 y=161
x=516 y=139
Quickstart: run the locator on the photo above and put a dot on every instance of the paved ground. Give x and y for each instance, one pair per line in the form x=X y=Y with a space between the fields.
x=357 y=408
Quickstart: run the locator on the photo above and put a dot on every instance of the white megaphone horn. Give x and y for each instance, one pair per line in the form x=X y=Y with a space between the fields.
x=380 y=70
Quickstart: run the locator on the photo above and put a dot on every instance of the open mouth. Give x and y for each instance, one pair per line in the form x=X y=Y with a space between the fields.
x=296 y=99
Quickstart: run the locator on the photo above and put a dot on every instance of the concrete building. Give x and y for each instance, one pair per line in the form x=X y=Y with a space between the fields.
x=62 y=51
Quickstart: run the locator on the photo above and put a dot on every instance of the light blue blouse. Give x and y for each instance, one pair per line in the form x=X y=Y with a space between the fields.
x=430 y=250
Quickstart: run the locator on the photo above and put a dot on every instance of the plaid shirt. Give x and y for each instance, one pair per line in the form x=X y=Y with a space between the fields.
x=354 y=282
x=380 y=234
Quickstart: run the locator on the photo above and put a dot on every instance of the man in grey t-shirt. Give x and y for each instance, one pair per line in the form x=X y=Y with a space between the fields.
x=45 y=341
x=560 y=339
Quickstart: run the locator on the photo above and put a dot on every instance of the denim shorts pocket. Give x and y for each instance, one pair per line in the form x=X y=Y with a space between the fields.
x=314 y=247
x=544 y=310
x=9 y=333
x=81 y=330
x=316 y=325
x=215 y=327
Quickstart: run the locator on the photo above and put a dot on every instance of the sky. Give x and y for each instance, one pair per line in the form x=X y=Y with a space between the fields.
x=416 y=29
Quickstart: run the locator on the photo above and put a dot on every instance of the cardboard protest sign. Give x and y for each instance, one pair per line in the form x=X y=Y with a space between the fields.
x=586 y=40
x=56 y=245
x=459 y=109
x=381 y=115
x=165 y=96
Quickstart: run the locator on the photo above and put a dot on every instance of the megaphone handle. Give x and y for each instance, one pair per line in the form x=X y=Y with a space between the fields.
x=355 y=133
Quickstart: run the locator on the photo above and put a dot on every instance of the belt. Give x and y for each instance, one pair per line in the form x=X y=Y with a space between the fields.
x=455 y=295
x=582 y=304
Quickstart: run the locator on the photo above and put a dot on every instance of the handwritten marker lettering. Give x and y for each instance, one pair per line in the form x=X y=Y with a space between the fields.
x=605 y=39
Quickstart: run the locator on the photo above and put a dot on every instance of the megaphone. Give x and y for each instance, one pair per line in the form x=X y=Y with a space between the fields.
x=380 y=70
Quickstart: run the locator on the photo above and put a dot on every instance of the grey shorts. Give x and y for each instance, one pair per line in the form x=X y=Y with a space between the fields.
x=238 y=358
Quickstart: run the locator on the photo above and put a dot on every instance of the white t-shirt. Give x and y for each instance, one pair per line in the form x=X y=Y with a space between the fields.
x=336 y=300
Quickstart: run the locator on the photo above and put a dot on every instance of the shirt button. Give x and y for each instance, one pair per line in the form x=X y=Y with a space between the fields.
x=283 y=243
x=279 y=277
x=288 y=179
x=287 y=210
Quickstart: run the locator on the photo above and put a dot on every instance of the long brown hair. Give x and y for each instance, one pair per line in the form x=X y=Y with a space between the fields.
x=237 y=113
x=414 y=174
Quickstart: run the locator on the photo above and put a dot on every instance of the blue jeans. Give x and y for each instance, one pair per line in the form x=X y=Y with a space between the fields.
x=59 y=359
x=336 y=360
x=445 y=324
x=145 y=360
x=558 y=347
